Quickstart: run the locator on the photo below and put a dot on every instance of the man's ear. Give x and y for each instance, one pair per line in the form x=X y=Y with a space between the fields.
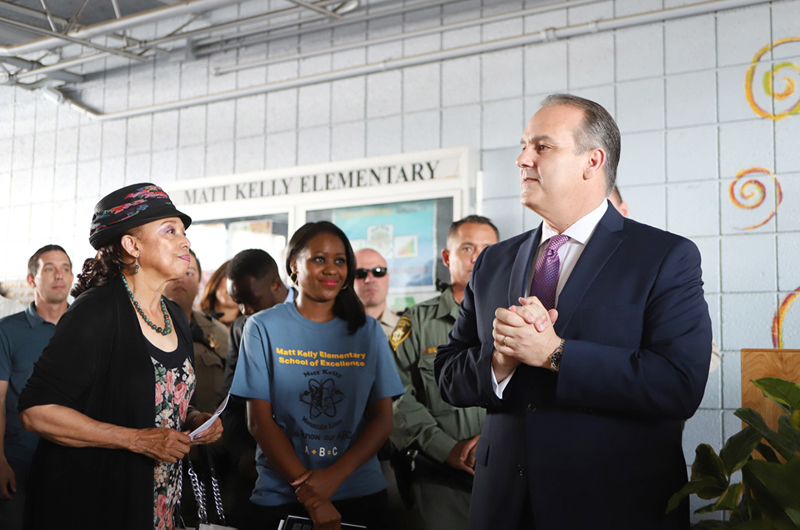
x=446 y=257
x=594 y=165
x=277 y=284
x=31 y=281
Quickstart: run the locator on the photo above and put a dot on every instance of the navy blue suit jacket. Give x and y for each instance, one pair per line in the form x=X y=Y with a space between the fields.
x=597 y=445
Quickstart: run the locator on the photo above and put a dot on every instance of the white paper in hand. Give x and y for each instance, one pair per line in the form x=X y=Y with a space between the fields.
x=204 y=427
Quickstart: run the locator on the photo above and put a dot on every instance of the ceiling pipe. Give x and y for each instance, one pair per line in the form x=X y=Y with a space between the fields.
x=220 y=70
x=227 y=42
x=546 y=35
x=112 y=26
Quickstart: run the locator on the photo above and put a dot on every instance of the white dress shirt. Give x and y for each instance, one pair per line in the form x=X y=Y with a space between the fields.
x=579 y=234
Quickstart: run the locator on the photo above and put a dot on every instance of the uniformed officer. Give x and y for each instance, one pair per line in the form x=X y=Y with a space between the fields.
x=446 y=436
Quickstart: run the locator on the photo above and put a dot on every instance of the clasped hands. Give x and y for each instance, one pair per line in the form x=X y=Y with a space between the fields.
x=523 y=334
x=314 y=489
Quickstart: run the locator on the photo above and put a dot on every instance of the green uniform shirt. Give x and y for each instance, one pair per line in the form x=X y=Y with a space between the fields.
x=420 y=415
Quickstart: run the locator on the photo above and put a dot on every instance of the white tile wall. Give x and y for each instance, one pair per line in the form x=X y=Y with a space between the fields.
x=676 y=89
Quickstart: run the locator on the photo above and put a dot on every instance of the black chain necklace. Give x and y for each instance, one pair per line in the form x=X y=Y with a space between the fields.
x=167 y=324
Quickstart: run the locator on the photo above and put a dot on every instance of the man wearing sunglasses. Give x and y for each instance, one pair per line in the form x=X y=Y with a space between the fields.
x=372 y=286
x=445 y=436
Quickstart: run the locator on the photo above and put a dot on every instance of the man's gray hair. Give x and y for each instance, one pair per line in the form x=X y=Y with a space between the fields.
x=597 y=129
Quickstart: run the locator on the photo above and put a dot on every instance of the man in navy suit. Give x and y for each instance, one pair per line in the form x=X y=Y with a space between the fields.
x=587 y=342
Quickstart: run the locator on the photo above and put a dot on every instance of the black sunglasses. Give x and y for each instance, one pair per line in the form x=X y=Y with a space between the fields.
x=378 y=272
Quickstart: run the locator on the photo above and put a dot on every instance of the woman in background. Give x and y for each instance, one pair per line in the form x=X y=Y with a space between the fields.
x=319 y=380
x=216 y=302
x=110 y=394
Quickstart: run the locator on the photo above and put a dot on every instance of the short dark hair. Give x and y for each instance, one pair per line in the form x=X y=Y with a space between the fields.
x=597 y=129
x=33 y=262
x=347 y=306
x=199 y=268
x=479 y=219
x=252 y=262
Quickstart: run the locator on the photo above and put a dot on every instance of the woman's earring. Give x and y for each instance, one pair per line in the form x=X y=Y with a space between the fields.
x=294 y=277
x=136 y=266
x=344 y=287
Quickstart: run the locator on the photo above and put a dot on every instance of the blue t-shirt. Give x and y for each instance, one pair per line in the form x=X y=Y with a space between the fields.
x=320 y=381
x=23 y=337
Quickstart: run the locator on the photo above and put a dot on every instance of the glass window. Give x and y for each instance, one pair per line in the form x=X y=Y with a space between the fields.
x=409 y=235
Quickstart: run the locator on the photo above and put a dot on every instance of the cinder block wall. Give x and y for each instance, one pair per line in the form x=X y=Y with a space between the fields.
x=677 y=89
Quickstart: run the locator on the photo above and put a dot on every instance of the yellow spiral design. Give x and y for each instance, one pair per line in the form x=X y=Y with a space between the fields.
x=780 y=315
x=754 y=192
x=778 y=83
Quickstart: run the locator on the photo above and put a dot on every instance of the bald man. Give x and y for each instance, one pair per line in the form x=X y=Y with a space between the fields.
x=372 y=286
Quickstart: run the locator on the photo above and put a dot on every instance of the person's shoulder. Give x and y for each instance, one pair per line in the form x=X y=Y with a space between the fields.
x=14 y=320
x=95 y=301
x=636 y=232
x=421 y=309
x=278 y=312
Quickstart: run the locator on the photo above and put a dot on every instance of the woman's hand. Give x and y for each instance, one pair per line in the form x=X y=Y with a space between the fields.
x=161 y=443
x=325 y=517
x=317 y=485
x=210 y=435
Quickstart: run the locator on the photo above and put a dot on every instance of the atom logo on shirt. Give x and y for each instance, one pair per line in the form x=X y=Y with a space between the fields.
x=322 y=398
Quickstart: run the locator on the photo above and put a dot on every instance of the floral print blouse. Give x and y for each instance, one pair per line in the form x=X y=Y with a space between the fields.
x=174 y=389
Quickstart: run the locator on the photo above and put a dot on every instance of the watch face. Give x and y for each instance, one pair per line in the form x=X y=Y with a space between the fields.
x=555 y=361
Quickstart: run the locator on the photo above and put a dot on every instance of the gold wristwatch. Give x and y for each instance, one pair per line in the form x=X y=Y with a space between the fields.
x=555 y=357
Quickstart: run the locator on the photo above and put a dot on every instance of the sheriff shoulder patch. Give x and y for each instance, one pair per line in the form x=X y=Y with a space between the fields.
x=400 y=333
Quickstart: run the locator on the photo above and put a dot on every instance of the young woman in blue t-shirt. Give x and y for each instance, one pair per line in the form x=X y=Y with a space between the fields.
x=319 y=380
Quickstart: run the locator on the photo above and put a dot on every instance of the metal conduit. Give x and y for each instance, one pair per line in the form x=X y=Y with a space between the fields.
x=409 y=35
x=112 y=26
x=546 y=35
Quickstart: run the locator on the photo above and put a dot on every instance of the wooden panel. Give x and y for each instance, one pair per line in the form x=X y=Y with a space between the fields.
x=767 y=363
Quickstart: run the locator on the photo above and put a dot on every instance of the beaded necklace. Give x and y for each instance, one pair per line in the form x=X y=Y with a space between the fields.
x=167 y=324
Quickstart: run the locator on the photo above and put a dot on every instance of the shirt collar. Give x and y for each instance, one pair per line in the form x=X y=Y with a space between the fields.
x=581 y=230
x=447 y=304
x=34 y=318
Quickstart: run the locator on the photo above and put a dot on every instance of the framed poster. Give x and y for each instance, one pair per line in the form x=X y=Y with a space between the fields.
x=409 y=235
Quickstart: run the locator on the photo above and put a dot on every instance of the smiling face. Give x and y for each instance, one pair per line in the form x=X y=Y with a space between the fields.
x=552 y=171
x=53 y=277
x=161 y=247
x=184 y=290
x=320 y=268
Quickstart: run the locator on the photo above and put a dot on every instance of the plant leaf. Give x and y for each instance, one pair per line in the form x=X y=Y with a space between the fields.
x=738 y=449
x=775 y=488
x=708 y=508
x=768 y=453
x=709 y=524
x=785 y=429
x=708 y=464
x=779 y=442
x=785 y=394
x=794 y=419
x=693 y=486
x=729 y=499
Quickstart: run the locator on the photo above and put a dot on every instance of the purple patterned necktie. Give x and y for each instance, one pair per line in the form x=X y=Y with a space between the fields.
x=545 y=277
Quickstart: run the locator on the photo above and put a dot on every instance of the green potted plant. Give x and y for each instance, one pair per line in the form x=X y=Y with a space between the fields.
x=768 y=496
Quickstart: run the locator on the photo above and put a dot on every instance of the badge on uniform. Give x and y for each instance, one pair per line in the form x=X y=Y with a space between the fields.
x=401 y=331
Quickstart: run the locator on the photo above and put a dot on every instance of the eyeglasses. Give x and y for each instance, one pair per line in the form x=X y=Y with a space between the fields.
x=378 y=272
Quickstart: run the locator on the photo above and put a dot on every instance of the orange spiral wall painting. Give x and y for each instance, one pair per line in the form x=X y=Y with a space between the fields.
x=780 y=315
x=777 y=81
x=750 y=193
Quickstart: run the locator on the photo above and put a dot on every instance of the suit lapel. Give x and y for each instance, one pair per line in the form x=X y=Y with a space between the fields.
x=601 y=246
x=522 y=264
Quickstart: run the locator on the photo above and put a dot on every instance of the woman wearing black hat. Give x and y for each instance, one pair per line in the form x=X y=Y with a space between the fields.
x=110 y=394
